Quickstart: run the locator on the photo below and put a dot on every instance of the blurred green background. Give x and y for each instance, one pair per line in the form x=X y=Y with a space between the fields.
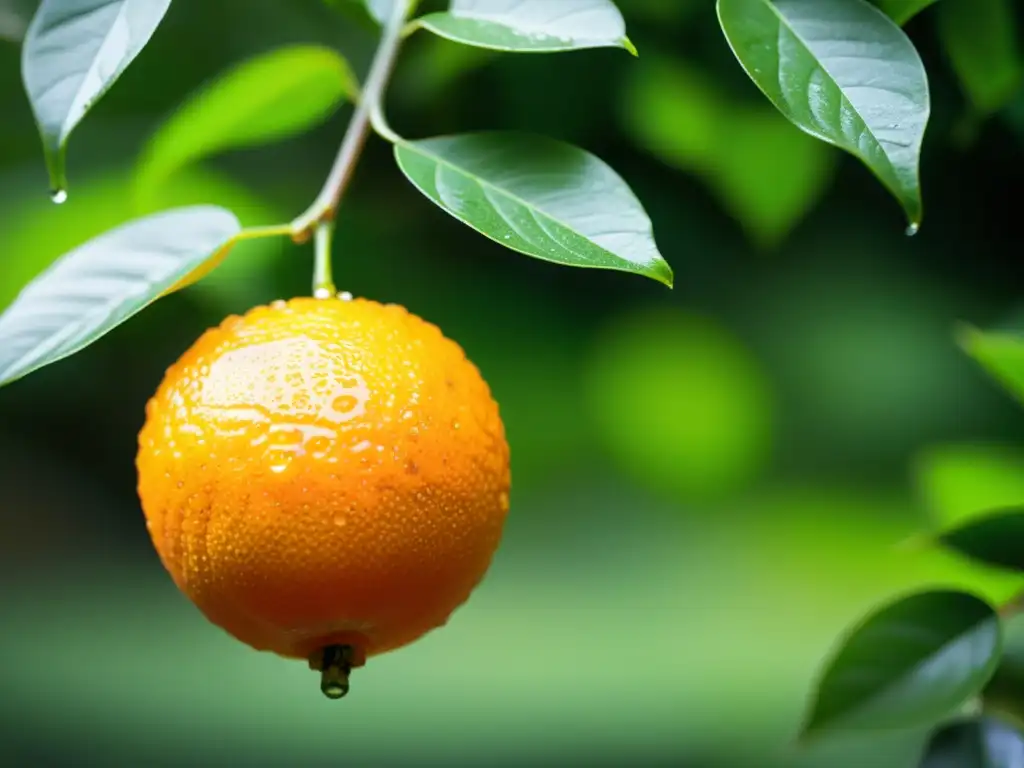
x=710 y=483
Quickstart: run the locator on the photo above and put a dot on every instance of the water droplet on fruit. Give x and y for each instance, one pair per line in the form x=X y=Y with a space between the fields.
x=345 y=296
x=319 y=446
x=280 y=465
x=59 y=196
x=322 y=293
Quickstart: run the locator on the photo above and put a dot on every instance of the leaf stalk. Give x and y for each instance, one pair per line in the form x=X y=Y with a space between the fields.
x=325 y=206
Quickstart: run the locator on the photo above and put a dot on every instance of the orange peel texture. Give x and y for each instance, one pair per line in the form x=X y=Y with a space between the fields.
x=324 y=472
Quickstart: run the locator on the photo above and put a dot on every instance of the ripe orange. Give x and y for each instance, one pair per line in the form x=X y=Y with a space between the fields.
x=326 y=479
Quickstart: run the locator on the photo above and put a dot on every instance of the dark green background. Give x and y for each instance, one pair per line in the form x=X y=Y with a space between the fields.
x=709 y=483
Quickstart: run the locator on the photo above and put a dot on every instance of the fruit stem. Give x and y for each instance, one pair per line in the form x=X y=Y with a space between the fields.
x=335 y=665
x=326 y=204
x=323 y=283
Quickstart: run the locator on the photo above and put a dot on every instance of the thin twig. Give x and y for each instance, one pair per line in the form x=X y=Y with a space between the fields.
x=326 y=203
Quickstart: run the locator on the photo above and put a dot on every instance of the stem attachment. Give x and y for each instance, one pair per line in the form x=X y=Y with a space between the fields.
x=323 y=283
x=325 y=205
x=335 y=665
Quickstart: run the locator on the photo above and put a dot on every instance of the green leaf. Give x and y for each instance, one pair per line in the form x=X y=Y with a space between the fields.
x=267 y=98
x=1000 y=354
x=764 y=171
x=74 y=51
x=980 y=39
x=908 y=664
x=531 y=26
x=537 y=196
x=844 y=72
x=977 y=743
x=993 y=538
x=102 y=283
x=902 y=11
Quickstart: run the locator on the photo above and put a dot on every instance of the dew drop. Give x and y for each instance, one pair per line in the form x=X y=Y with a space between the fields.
x=278 y=304
x=345 y=296
x=322 y=293
x=912 y=229
x=59 y=196
x=319 y=446
x=278 y=461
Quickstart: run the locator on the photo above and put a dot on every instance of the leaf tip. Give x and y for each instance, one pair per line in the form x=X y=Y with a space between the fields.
x=628 y=45
x=662 y=272
x=56 y=167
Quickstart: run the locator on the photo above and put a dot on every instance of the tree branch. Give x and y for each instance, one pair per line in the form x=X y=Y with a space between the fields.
x=325 y=206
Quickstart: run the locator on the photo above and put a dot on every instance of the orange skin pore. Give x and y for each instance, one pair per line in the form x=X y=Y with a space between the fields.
x=324 y=472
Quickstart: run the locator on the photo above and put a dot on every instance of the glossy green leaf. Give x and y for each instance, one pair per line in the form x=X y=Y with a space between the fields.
x=763 y=170
x=902 y=11
x=537 y=196
x=74 y=51
x=912 y=662
x=531 y=26
x=980 y=40
x=267 y=98
x=844 y=72
x=1001 y=354
x=984 y=742
x=993 y=538
x=99 y=285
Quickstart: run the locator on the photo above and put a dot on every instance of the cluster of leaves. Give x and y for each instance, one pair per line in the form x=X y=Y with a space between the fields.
x=532 y=194
x=947 y=659
x=841 y=70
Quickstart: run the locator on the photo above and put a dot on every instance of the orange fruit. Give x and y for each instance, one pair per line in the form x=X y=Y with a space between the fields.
x=326 y=479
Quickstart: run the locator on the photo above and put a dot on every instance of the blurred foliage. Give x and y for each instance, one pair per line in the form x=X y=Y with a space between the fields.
x=709 y=484
x=679 y=403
